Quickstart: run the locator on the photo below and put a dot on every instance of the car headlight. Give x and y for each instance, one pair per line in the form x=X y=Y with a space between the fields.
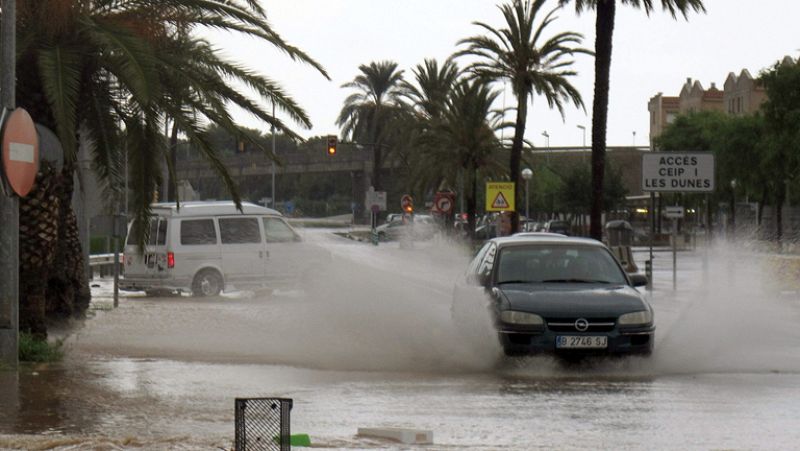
x=636 y=318
x=521 y=318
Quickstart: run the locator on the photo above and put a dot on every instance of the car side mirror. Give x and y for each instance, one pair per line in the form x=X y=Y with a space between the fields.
x=638 y=280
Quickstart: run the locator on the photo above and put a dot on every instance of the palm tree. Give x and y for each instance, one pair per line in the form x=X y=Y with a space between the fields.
x=533 y=64
x=368 y=113
x=463 y=140
x=433 y=86
x=604 y=29
x=109 y=72
x=426 y=99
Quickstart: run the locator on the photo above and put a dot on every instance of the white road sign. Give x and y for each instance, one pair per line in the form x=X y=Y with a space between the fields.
x=375 y=199
x=673 y=212
x=678 y=172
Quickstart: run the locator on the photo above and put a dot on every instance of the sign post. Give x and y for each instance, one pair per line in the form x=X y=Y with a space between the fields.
x=375 y=202
x=676 y=172
x=674 y=213
x=9 y=205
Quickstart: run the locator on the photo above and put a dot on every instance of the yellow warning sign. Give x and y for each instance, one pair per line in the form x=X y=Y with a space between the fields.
x=499 y=196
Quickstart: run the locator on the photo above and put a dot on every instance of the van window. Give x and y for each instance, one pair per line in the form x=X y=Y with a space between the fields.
x=198 y=231
x=278 y=231
x=159 y=238
x=239 y=230
x=158 y=232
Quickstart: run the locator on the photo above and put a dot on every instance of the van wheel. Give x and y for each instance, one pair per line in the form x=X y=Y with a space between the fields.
x=207 y=282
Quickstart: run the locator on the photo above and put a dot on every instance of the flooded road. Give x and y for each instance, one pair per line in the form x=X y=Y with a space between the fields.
x=373 y=346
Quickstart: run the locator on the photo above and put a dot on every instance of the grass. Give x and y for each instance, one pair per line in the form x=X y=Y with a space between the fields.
x=33 y=349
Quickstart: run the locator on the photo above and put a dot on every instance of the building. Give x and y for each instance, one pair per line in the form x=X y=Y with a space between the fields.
x=743 y=94
x=692 y=98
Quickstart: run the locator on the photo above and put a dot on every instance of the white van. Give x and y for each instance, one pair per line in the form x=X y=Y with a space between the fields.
x=206 y=247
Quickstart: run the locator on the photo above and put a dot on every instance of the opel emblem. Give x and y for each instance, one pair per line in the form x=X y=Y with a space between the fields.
x=581 y=324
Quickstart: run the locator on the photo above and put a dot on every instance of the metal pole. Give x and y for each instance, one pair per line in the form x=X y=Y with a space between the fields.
x=273 y=154
x=527 y=202
x=652 y=236
x=9 y=204
x=115 y=240
x=674 y=254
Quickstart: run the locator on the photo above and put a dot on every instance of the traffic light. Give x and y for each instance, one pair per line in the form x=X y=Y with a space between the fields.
x=407 y=203
x=332 y=141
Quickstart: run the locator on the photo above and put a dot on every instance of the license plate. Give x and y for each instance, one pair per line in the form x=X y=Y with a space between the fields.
x=581 y=342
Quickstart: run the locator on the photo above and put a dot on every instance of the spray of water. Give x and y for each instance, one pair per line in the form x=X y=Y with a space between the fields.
x=387 y=308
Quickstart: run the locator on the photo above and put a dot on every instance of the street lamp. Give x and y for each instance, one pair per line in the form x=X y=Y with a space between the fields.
x=547 y=145
x=527 y=174
x=583 y=129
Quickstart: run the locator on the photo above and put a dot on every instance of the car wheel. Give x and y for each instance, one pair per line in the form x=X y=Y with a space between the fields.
x=207 y=282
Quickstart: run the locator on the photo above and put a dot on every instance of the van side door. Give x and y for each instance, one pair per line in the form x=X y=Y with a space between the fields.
x=242 y=249
x=197 y=247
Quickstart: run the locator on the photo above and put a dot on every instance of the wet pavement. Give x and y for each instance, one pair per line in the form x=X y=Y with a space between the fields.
x=374 y=347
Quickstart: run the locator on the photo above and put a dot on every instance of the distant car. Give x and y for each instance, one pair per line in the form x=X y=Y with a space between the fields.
x=556 y=226
x=419 y=227
x=558 y=295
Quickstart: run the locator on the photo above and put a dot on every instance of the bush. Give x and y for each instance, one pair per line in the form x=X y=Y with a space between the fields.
x=32 y=349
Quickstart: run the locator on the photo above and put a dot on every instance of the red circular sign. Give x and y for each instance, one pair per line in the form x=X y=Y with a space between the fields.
x=20 y=152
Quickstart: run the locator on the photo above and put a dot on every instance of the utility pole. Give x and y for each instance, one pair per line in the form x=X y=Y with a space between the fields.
x=9 y=204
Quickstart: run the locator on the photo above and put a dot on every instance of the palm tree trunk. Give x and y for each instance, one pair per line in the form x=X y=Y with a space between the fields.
x=377 y=162
x=604 y=28
x=38 y=235
x=516 y=153
x=68 y=292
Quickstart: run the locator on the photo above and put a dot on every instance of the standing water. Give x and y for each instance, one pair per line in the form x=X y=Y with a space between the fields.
x=370 y=344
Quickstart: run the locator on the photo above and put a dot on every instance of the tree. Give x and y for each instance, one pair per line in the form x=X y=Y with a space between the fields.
x=604 y=33
x=105 y=74
x=427 y=100
x=463 y=139
x=434 y=84
x=533 y=64
x=782 y=114
x=367 y=115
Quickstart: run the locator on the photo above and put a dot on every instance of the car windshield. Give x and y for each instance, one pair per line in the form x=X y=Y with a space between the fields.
x=558 y=264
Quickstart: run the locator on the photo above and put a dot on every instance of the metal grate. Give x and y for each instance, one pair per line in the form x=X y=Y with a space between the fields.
x=263 y=424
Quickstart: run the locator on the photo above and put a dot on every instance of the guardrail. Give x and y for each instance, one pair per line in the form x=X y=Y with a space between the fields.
x=103 y=264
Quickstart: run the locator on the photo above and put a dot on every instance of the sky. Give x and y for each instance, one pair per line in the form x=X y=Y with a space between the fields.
x=650 y=54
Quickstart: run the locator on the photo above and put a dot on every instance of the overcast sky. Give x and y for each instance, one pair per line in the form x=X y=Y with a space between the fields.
x=650 y=55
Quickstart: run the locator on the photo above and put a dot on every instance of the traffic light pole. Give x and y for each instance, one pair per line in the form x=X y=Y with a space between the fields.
x=9 y=206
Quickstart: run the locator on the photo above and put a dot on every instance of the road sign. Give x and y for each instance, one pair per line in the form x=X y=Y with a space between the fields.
x=673 y=212
x=375 y=199
x=678 y=172
x=443 y=202
x=20 y=151
x=499 y=196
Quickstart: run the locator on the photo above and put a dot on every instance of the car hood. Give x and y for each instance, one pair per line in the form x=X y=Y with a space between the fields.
x=554 y=300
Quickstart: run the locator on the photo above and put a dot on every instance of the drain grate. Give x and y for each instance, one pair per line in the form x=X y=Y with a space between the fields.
x=263 y=424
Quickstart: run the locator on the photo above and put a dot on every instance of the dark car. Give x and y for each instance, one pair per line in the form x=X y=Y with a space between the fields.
x=559 y=295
